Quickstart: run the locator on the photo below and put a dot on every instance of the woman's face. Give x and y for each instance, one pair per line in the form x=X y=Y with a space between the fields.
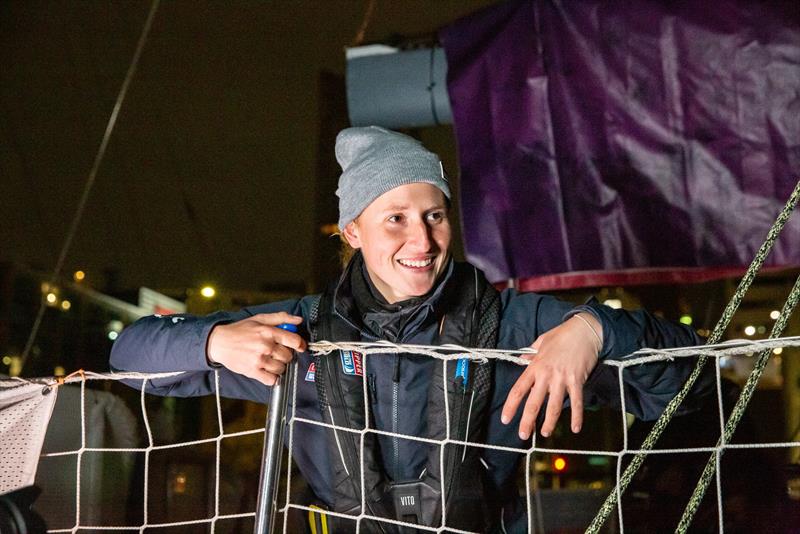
x=404 y=236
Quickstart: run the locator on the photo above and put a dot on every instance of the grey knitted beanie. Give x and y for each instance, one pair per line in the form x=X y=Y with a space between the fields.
x=374 y=161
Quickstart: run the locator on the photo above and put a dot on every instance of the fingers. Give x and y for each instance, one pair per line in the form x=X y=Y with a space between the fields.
x=575 y=392
x=274 y=319
x=521 y=388
x=288 y=339
x=281 y=353
x=554 y=405
x=273 y=366
x=284 y=337
x=265 y=377
x=275 y=358
x=255 y=347
x=564 y=359
x=531 y=411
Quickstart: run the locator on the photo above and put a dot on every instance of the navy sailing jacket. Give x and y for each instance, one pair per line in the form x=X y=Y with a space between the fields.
x=399 y=383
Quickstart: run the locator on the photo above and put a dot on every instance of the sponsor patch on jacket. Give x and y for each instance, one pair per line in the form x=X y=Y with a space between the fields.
x=462 y=371
x=312 y=372
x=351 y=363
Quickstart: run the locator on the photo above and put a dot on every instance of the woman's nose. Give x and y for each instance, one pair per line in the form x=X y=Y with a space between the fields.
x=421 y=235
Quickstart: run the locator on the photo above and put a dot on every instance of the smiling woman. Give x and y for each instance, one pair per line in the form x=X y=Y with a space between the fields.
x=401 y=285
x=404 y=236
x=395 y=198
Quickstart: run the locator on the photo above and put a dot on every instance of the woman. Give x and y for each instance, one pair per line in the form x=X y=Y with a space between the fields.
x=402 y=285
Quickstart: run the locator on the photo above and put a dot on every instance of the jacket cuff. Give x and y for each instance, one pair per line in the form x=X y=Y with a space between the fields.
x=205 y=335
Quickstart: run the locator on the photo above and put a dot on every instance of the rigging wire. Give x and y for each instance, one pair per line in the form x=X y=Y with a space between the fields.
x=362 y=29
x=737 y=412
x=614 y=498
x=101 y=152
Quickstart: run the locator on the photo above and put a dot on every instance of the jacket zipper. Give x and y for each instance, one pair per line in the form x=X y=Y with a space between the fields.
x=395 y=415
x=395 y=394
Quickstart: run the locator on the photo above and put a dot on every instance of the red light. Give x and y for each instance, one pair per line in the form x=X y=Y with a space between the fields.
x=559 y=464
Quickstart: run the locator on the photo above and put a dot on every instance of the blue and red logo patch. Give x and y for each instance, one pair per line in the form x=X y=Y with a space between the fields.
x=351 y=363
x=311 y=373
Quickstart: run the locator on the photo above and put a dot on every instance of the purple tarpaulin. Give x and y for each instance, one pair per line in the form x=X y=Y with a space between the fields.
x=625 y=142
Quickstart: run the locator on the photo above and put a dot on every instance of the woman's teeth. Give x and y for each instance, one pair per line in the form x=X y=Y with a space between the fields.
x=413 y=263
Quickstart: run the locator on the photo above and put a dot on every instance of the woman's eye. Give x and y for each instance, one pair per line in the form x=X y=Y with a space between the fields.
x=394 y=218
x=435 y=216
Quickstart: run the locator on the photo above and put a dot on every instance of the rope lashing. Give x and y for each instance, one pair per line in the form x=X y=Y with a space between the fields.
x=61 y=380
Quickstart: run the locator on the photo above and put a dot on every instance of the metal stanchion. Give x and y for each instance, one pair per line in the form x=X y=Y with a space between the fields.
x=273 y=450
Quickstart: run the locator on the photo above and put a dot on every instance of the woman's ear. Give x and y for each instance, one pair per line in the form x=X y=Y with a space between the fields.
x=350 y=233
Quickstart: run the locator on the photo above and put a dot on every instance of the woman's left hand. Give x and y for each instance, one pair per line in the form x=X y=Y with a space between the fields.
x=566 y=355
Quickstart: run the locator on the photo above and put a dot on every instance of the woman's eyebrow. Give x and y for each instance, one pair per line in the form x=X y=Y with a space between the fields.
x=403 y=207
x=396 y=207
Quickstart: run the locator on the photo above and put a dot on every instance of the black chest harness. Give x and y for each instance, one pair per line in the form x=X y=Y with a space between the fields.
x=468 y=315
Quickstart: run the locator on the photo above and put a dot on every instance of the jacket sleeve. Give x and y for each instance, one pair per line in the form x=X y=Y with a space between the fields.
x=648 y=387
x=167 y=343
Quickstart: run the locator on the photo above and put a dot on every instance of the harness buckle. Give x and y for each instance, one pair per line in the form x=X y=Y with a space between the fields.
x=407 y=497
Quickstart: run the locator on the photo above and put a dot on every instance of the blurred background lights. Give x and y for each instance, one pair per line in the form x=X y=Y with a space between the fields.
x=65 y=305
x=179 y=483
x=559 y=464
x=208 y=292
x=613 y=303
x=774 y=314
x=79 y=276
x=14 y=364
x=686 y=319
x=115 y=326
x=51 y=298
x=113 y=335
x=749 y=330
x=778 y=350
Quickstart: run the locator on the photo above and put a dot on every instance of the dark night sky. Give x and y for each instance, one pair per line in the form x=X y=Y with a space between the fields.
x=211 y=170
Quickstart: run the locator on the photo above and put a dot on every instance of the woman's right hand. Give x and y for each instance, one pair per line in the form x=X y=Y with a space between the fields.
x=255 y=347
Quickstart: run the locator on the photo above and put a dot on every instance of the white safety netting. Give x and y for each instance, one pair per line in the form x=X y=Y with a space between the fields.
x=22 y=429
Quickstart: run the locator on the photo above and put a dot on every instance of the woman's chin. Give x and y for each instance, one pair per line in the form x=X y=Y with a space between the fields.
x=418 y=290
x=413 y=284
